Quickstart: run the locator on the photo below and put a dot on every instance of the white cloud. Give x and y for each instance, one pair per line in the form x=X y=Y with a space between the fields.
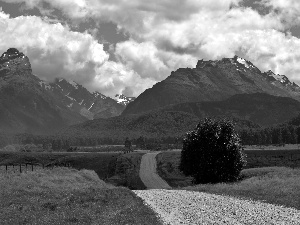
x=167 y=34
x=55 y=51
x=114 y=78
x=149 y=62
x=287 y=10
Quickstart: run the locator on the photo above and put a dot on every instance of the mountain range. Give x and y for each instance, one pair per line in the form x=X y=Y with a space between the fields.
x=230 y=87
x=29 y=104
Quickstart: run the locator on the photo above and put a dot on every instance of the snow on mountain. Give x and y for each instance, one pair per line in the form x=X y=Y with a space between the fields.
x=123 y=100
x=74 y=84
x=281 y=78
x=243 y=61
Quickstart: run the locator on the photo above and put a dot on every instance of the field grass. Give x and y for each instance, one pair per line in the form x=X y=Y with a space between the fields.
x=102 y=163
x=275 y=185
x=167 y=168
x=273 y=147
x=168 y=162
x=116 y=168
x=68 y=196
x=127 y=171
x=102 y=148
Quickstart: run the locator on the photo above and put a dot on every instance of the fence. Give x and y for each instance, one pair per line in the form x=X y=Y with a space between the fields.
x=26 y=167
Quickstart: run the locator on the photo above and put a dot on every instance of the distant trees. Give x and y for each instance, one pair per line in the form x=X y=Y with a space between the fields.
x=212 y=152
x=280 y=135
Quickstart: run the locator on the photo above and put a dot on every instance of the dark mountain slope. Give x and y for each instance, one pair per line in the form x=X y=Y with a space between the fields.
x=155 y=124
x=259 y=108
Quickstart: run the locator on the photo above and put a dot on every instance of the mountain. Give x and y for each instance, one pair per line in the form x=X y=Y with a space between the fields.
x=259 y=108
x=78 y=99
x=155 y=124
x=212 y=81
x=29 y=104
x=24 y=105
x=246 y=110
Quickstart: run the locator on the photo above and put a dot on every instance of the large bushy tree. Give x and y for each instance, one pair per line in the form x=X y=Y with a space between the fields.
x=212 y=152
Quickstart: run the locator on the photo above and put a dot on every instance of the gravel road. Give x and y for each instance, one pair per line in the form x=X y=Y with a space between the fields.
x=148 y=172
x=188 y=207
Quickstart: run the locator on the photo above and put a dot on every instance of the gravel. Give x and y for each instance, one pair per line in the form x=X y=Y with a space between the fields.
x=189 y=207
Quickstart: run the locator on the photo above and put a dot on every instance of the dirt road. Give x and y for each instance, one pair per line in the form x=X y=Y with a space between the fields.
x=179 y=207
x=148 y=173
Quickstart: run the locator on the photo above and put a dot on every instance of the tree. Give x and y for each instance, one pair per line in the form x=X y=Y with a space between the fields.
x=212 y=152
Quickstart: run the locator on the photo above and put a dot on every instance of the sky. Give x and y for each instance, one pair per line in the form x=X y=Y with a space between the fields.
x=125 y=47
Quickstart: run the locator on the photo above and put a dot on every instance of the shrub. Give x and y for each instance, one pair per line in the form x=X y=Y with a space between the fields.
x=212 y=152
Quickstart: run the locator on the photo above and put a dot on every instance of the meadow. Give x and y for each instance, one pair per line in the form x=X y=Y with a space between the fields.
x=113 y=167
x=68 y=196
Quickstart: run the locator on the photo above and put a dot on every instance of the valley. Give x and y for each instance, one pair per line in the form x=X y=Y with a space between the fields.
x=61 y=129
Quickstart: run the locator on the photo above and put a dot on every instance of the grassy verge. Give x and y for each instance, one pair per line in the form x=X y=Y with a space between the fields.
x=127 y=171
x=276 y=185
x=167 y=168
x=168 y=162
x=68 y=196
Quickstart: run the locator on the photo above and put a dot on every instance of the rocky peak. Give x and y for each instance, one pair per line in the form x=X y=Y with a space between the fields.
x=237 y=62
x=271 y=76
x=202 y=63
x=13 y=62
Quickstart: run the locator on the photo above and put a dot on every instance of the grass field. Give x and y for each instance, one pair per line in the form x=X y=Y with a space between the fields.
x=68 y=196
x=102 y=163
x=276 y=185
x=119 y=169
x=102 y=148
x=127 y=171
x=168 y=162
x=273 y=147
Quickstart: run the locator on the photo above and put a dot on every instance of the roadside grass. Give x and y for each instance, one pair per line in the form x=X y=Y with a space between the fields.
x=127 y=170
x=276 y=185
x=68 y=196
x=167 y=168
x=168 y=162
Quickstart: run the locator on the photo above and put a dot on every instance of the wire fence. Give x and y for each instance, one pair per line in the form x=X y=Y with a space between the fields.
x=27 y=167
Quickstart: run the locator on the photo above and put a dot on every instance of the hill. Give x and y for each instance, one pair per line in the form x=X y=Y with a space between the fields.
x=259 y=108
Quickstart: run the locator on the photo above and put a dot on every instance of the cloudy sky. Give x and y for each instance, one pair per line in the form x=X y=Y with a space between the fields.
x=126 y=46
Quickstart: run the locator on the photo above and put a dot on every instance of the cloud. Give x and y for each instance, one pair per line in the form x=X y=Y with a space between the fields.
x=53 y=48
x=55 y=51
x=149 y=62
x=287 y=10
x=168 y=34
x=113 y=78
